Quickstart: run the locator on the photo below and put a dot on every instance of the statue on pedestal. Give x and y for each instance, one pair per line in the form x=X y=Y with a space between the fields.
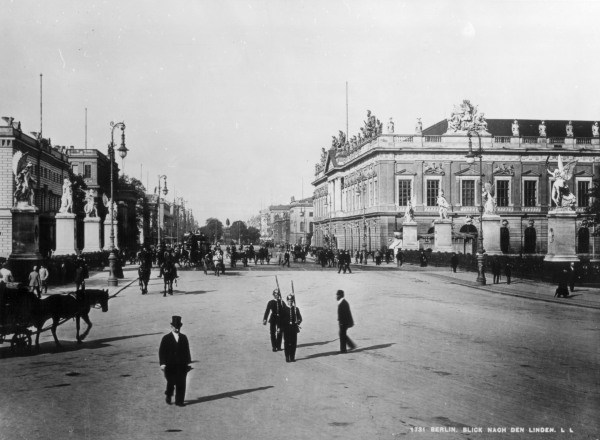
x=90 y=204
x=419 y=127
x=561 y=195
x=443 y=205
x=23 y=171
x=489 y=198
x=595 y=130
x=110 y=206
x=66 y=201
x=569 y=129
x=515 y=128
x=542 y=129
x=409 y=214
x=390 y=126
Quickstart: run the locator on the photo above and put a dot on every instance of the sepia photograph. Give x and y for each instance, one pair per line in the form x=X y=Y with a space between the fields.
x=262 y=219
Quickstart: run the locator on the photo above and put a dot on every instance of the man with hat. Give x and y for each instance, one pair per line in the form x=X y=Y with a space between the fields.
x=174 y=358
x=275 y=307
x=345 y=321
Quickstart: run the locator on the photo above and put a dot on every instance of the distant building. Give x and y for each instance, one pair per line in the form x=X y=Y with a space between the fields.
x=363 y=185
x=288 y=224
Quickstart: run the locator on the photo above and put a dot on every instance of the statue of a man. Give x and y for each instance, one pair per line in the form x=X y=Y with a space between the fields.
x=409 y=215
x=66 y=201
x=390 y=126
x=419 y=127
x=24 y=181
x=569 y=129
x=542 y=129
x=515 y=128
x=595 y=130
x=90 y=204
x=443 y=205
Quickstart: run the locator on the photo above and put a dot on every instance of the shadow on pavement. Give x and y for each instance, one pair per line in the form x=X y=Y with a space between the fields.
x=316 y=343
x=199 y=292
x=230 y=394
x=336 y=352
x=67 y=346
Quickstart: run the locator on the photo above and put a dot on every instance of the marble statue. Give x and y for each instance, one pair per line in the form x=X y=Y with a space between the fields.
x=595 y=130
x=489 y=198
x=561 y=195
x=25 y=183
x=569 y=129
x=90 y=204
x=409 y=214
x=390 y=126
x=542 y=129
x=110 y=206
x=419 y=127
x=515 y=128
x=443 y=205
x=66 y=201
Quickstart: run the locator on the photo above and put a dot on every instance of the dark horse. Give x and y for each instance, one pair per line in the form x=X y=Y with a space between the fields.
x=144 y=277
x=169 y=275
x=61 y=306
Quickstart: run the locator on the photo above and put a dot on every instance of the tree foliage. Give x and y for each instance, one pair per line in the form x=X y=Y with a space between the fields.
x=213 y=229
x=253 y=235
x=239 y=231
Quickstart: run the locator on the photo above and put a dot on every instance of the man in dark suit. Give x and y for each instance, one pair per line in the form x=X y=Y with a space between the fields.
x=275 y=308
x=291 y=318
x=345 y=321
x=174 y=357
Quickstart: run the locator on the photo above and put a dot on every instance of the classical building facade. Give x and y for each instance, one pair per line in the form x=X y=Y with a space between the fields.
x=50 y=167
x=364 y=185
x=288 y=224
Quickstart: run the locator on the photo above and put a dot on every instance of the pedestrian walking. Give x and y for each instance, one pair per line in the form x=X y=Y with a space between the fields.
x=290 y=321
x=496 y=270
x=423 y=259
x=44 y=274
x=454 y=261
x=6 y=275
x=341 y=262
x=35 y=283
x=286 y=258
x=347 y=261
x=563 y=284
x=274 y=308
x=508 y=272
x=345 y=322
x=572 y=276
x=399 y=258
x=79 y=279
x=174 y=358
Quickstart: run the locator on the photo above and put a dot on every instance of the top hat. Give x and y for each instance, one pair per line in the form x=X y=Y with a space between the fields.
x=176 y=321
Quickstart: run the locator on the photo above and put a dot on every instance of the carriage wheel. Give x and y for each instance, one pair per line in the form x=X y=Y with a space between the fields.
x=21 y=341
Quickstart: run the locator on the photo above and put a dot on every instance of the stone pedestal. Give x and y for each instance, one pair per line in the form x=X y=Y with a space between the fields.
x=443 y=236
x=107 y=229
x=410 y=239
x=66 y=234
x=25 y=242
x=91 y=231
x=561 y=236
x=227 y=235
x=491 y=234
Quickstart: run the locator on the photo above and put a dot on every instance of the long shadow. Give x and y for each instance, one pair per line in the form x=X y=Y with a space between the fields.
x=334 y=353
x=68 y=346
x=316 y=343
x=199 y=292
x=230 y=394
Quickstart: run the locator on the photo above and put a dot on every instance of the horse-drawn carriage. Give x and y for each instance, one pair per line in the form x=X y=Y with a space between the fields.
x=21 y=309
x=197 y=246
x=16 y=315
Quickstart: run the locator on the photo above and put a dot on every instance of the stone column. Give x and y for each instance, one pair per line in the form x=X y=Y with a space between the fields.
x=410 y=238
x=491 y=234
x=107 y=234
x=91 y=229
x=443 y=236
x=66 y=234
x=562 y=236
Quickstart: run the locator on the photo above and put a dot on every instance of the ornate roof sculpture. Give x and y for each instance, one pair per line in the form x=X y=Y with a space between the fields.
x=466 y=118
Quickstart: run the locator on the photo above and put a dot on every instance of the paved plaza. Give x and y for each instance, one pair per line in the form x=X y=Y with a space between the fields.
x=435 y=353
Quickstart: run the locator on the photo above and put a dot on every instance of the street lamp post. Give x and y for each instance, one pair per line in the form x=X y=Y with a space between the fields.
x=480 y=251
x=165 y=192
x=112 y=258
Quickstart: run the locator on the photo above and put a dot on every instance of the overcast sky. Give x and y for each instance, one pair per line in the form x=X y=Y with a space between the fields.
x=233 y=100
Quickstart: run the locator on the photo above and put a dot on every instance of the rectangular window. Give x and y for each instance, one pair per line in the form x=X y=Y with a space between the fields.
x=75 y=169
x=433 y=188
x=502 y=192
x=583 y=187
x=467 y=192
x=87 y=171
x=310 y=214
x=404 y=192
x=302 y=227
x=530 y=193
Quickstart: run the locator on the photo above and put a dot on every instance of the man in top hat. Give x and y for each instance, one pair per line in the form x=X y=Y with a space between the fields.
x=174 y=357
x=345 y=321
